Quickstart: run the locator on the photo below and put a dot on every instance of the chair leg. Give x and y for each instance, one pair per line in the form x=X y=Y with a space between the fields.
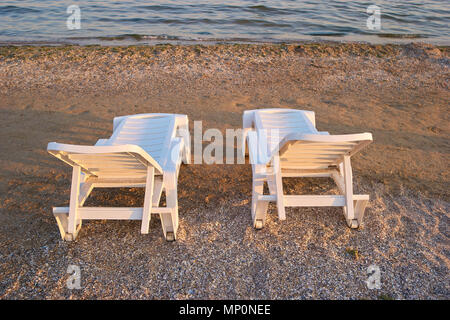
x=73 y=223
x=279 y=188
x=169 y=220
x=62 y=220
x=349 y=211
x=360 y=207
x=147 y=210
x=157 y=191
x=271 y=183
x=85 y=190
x=259 y=208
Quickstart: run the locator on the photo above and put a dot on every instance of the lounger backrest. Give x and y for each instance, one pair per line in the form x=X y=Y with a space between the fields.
x=151 y=132
x=137 y=142
x=292 y=135
x=123 y=161
x=275 y=124
x=299 y=151
x=286 y=121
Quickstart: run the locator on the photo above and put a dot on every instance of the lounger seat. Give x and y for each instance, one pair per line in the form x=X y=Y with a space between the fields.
x=145 y=150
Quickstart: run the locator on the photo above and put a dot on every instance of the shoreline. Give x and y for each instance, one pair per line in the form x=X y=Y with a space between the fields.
x=125 y=41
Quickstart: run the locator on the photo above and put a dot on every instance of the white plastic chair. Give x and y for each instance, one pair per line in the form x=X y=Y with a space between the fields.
x=286 y=143
x=145 y=150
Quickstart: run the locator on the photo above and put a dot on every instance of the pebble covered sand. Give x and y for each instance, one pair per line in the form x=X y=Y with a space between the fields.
x=71 y=94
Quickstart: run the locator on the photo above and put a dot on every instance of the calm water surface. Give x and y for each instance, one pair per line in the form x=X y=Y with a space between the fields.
x=261 y=21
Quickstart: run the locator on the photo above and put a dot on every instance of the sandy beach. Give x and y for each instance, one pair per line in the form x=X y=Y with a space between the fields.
x=71 y=94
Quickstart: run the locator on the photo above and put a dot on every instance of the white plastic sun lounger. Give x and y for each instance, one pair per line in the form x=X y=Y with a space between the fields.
x=286 y=143
x=145 y=150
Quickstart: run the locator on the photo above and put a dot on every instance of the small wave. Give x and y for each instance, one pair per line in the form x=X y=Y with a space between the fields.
x=327 y=34
x=16 y=9
x=165 y=21
x=401 y=36
x=265 y=9
x=122 y=37
x=261 y=8
x=136 y=37
x=124 y=20
x=162 y=8
x=263 y=23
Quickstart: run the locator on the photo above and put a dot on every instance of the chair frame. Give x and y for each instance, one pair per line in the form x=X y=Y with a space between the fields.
x=157 y=179
x=273 y=171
